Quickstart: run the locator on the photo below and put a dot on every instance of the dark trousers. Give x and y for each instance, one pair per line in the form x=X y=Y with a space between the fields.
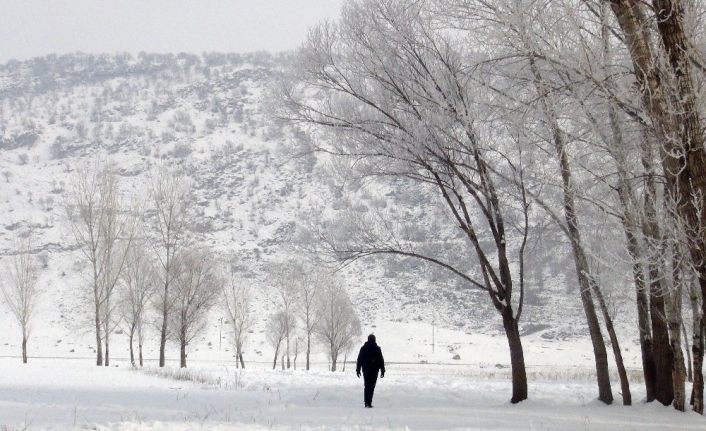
x=370 y=378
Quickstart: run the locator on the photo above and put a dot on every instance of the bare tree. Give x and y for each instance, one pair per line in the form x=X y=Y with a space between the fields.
x=311 y=282
x=276 y=331
x=396 y=95
x=298 y=342
x=237 y=301
x=103 y=231
x=338 y=323
x=286 y=285
x=170 y=195
x=138 y=286
x=195 y=291
x=20 y=290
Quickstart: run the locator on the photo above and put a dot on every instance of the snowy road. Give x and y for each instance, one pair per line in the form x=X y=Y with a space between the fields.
x=64 y=395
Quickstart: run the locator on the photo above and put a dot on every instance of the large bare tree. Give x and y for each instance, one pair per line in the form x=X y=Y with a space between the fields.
x=393 y=98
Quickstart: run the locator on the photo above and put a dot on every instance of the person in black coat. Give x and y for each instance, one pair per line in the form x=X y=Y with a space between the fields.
x=370 y=360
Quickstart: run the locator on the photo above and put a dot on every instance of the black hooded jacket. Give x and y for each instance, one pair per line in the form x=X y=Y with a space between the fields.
x=370 y=358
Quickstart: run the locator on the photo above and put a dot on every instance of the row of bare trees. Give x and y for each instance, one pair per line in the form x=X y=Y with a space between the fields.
x=512 y=111
x=315 y=299
x=145 y=272
x=142 y=259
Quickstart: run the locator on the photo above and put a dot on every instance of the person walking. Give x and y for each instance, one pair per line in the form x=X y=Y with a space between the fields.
x=370 y=360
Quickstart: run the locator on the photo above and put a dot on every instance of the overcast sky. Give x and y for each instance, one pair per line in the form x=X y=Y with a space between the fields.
x=30 y=28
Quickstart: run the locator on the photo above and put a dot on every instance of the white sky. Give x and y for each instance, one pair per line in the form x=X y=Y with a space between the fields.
x=30 y=28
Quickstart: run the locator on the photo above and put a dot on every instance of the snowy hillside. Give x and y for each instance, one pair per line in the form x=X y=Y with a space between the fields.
x=206 y=115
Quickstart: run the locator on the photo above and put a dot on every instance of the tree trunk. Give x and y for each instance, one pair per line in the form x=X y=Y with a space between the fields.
x=139 y=348
x=685 y=336
x=643 y=315
x=333 y=361
x=308 y=350
x=182 y=353
x=274 y=362
x=132 y=352
x=288 y=361
x=24 y=348
x=697 y=349
x=242 y=363
x=675 y=323
x=517 y=357
x=622 y=374
x=99 y=339
x=107 y=350
x=163 y=337
x=630 y=222
x=661 y=348
x=605 y=393
x=282 y=361
x=678 y=374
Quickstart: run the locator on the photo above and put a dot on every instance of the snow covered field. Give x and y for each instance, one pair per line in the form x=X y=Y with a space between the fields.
x=73 y=394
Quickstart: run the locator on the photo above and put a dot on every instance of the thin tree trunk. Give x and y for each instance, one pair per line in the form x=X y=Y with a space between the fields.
x=517 y=357
x=99 y=339
x=24 y=348
x=282 y=361
x=333 y=361
x=675 y=323
x=287 y=352
x=242 y=363
x=132 y=352
x=643 y=315
x=237 y=356
x=107 y=349
x=630 y=224
x=605 y=393
x=163 y=335
x=697 y=349
x=139 y=348
x=623 y=375
x=308 y=349
x=274 y=362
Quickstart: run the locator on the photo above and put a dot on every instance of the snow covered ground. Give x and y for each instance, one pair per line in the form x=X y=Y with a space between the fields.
x=73 y=394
